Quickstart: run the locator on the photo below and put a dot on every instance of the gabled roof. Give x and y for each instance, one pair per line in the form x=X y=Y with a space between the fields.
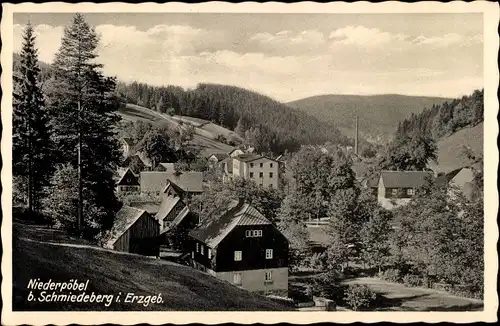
x=237 y=213
x=219 y=156
x=155 y=181
x=124 y=173
x=167 y=204
x=248 y=157
x=124 y=219
x=404 y=179
x=149 y=206
x=177 y=220
x=144 y=159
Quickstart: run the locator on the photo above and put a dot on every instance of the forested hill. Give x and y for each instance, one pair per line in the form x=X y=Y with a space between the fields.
x=447 y=118
x=265 y=123
x=378 y=114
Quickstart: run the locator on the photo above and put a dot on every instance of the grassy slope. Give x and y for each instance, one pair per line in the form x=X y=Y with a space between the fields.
x=379 y=115
x=204 y=140
x=450 y=149
x=181 y=287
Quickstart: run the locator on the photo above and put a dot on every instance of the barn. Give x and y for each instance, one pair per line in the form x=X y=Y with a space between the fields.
x=135 y=231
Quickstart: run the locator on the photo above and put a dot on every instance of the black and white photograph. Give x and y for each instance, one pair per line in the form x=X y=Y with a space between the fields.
x=203 y=159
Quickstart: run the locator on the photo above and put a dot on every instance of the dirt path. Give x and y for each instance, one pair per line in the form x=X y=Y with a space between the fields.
x=400 y=297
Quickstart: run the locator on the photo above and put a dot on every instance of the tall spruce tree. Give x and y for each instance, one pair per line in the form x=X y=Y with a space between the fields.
x=82 y=101
x=31 y=129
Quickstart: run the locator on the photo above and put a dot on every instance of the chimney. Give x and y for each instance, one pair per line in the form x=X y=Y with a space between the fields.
x=356 y=137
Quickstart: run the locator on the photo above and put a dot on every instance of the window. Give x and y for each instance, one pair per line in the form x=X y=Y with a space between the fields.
x=270 y=174
x=251 y=165
x=201 y=250
x=394 y=192
x=237 y=278
x=269 y=277
x=271 y=185
x=251 y=174
x=269 y=254
x=237 y=255
x=197 y=247
x=261 y=165
x=209 y=253
x=253 y=233
x=271 y=165
x=410 y=192
x=261 y=174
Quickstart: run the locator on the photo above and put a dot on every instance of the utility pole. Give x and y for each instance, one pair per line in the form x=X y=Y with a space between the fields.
x=80 y=185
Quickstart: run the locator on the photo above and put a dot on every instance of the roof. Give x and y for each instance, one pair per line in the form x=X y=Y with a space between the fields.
x=237 y=213
x=445 y=178
x=404 y=179
x=155 y=181
x=177 y=220
x=124 y=219
x=144 y=159
x=149 y=206
x=219 y=156
x=248 y=157
x=463 y=177
x=168 y=166
x=123 y=172
x=166 y=206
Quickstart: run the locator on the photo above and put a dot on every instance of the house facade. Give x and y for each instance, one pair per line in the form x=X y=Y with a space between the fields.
x=134 y=231
x=243 y=248
x=260 y=169
x=128 y=181
x=396 y=188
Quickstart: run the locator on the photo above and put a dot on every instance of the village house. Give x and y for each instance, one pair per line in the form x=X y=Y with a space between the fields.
x=461 y=179
x=128 y=181
x=155 y=181
x=262 y=170
x=243 y=248
x=174 y=217
x=396 y=188
x=135 y=231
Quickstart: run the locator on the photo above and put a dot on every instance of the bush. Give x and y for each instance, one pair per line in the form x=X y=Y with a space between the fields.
x=328 y=286
x=391 y=275
x=359 y=297
x=413 y=280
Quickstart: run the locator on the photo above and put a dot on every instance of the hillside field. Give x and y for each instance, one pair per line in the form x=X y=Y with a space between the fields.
x=109 y=272
x=450 y=149
x=379 y=115
x=205 y=133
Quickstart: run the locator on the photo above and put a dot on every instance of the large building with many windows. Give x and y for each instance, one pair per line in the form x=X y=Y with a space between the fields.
x=260 y=169
x=243 y=248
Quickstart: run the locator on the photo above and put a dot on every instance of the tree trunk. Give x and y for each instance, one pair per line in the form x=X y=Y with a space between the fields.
x=79 y=218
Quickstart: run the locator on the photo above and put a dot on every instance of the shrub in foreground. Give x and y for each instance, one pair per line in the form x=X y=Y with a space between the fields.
x=359 y=297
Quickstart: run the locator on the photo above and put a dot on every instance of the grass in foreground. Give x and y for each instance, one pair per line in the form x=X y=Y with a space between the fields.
x=181 y=287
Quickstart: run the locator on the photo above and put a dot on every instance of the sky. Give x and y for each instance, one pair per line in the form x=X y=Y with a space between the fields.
x=285 y=56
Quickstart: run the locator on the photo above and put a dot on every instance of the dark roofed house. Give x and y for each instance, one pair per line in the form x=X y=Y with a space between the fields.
x=244 y=248
x=396 y=188
x=134 y=231
x=156 y=181
x=127 y=181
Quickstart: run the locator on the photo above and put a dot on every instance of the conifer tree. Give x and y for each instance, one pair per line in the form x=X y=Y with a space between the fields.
x=31 y=129
x=83 y=102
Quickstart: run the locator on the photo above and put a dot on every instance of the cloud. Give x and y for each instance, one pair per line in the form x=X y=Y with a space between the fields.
x=447 y=40
x=286 y=64
x=48 y=40
x=288 y=42
x=364 y=36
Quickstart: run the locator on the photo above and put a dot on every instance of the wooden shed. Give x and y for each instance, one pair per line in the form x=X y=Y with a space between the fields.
x=135 y=231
